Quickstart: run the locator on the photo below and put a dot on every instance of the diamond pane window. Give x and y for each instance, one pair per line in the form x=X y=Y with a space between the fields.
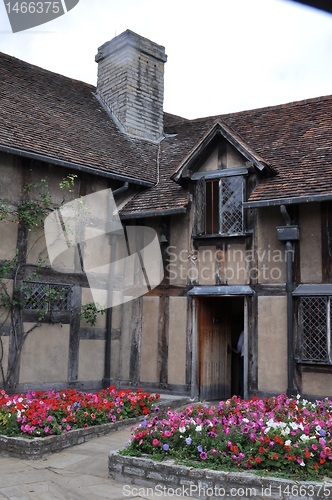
x=231 y=205
x=47 y=297
x=315 y=326
x=219 y=205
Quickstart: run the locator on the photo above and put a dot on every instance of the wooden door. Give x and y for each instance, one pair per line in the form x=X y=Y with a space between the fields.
x=214 y=348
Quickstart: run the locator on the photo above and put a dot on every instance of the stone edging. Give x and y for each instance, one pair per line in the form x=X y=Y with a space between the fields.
x=181 y=481
x=37 y=448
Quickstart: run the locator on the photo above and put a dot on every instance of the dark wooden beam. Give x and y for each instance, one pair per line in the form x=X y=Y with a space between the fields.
x=74 y=335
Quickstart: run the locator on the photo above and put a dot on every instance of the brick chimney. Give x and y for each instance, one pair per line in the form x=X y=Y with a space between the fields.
x=131 y=83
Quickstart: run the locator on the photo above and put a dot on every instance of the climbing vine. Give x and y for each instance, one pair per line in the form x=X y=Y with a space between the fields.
x=17 y=286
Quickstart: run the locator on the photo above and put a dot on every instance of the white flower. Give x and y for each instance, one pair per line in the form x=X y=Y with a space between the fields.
x=302 y=463
x=182 y=429
x=245 y=420
x=288 y=442
x=20 y=400
x=304 y=437
x=198 y=428
x=298 y=396
x=318 y=428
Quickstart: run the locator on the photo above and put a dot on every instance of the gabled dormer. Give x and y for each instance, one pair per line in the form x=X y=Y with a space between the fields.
x=222 y=171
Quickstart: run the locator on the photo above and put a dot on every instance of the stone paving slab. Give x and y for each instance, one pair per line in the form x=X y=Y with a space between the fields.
x=77 y=473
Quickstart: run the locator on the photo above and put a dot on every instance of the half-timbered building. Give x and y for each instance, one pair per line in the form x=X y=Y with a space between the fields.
x=241 y=204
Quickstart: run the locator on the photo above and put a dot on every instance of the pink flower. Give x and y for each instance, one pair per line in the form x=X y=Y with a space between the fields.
x=214 y=451
x=314 y=447
x=68 y=427
x=155 y=442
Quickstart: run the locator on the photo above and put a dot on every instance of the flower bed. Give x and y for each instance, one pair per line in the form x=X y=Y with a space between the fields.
x=275 y=435
x=42 y=414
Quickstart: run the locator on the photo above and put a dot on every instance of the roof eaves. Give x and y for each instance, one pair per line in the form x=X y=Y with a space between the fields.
x=74 y=166
x=153 y=213
x=288 y=201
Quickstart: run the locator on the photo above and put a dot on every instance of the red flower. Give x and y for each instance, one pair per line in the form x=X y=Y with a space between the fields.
x=258 y=460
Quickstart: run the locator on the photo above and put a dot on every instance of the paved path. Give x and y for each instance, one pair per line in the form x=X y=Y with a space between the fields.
x=77 y=473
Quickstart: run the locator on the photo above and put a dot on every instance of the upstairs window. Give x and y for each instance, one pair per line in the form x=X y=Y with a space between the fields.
x=220 y=205
x=315 y=320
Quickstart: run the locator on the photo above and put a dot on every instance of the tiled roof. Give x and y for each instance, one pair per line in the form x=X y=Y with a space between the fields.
x=48 y=114
x=167 y=194
x=295 y=139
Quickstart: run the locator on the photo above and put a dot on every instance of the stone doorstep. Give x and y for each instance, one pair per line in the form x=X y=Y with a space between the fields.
x=206 y=484
x=36 y=448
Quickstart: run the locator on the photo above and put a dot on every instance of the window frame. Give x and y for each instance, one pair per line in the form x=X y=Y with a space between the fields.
x=50 y=309
x=219 y=176
x=305 y=359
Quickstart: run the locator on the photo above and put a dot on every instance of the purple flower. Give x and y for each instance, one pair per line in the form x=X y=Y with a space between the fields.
x=188 y=440
x=199 y=448
x=143 y=424
x=165 y=447
x=322 y=432
x=203 y=455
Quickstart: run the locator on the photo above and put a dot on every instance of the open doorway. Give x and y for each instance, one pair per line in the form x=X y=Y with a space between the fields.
x=220 y=321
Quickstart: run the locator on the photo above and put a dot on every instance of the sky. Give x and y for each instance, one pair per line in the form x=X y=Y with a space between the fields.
x=223 y=55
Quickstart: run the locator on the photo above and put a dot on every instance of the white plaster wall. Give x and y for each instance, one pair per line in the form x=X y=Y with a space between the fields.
x=272 y=344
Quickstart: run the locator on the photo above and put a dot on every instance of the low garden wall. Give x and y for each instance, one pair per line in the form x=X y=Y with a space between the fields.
x=145 y=477
x=36 y=448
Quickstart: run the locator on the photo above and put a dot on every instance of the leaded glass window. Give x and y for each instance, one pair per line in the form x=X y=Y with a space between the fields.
x=46 y=297
x=315 y=329
x=220 y=205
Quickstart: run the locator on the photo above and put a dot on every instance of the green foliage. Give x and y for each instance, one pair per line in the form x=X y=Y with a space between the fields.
x=90 y=311
x=68 y=182
x=4 y=209
x=4 y=417
x=33 y=212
